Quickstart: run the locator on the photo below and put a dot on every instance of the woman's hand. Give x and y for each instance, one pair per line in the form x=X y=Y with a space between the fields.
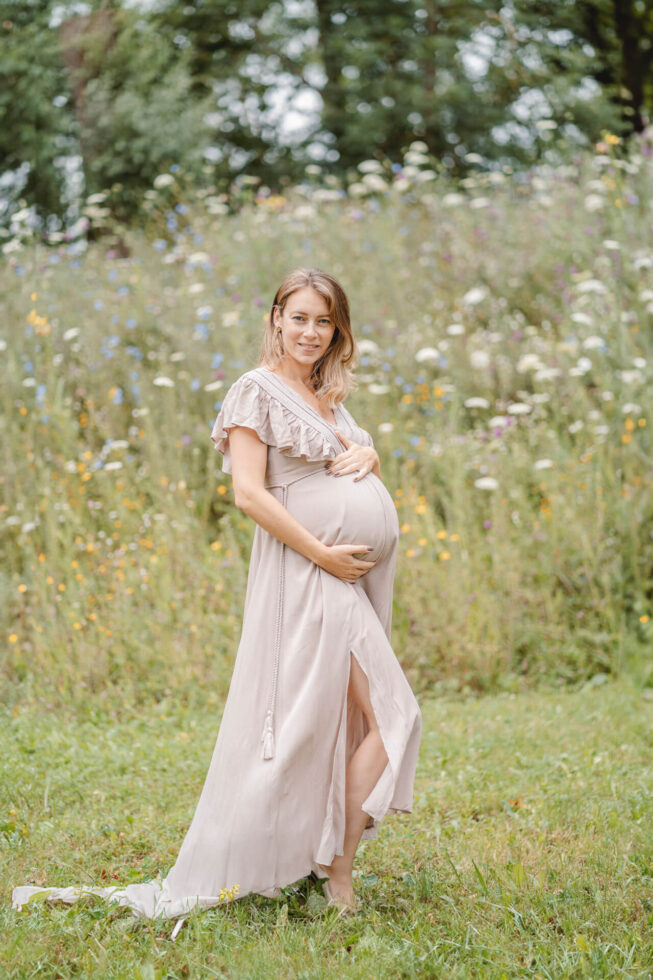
x=339 y=560
x=363 y=459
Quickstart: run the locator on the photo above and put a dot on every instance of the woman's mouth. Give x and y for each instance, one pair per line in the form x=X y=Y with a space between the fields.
x=309 y=347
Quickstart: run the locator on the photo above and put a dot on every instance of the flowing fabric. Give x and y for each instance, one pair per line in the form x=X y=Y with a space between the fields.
x=272 y=807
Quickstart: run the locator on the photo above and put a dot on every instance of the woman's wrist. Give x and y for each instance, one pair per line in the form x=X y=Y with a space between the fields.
x=318 y=552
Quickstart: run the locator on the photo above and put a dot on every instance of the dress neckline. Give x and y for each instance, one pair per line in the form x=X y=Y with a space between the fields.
x=334 y=425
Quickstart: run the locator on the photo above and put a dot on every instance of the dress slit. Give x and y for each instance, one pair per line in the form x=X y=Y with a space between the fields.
x=352 y=653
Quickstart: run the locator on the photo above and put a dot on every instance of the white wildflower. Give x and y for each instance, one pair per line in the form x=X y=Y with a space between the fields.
x=591 y=286
x=374 y=182
x=115 y=465
x=633 y=377
x=385 y=427
x=429 y=354
x=594 y=343
x=582 y=318
x=486 y=483
x=642 y=262
x=368 y=346
x=594 y=202
x=475 y=295
x=378 y=389
x=519 y=408
x=528 y=362
x=163 y=180
x=71 y=334
x=542 y=464
x=476 y=402
x=163 y=382
x=547 y=374
x=413 y=158
x=213 y=385
x=369 y=167
x=479 y=359
x=452 y=199
x=631 y=408
x=305 y=212
x=455 y=329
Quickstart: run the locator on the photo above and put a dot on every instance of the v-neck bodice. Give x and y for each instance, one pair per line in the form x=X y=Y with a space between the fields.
x=261 y=400
x=301 y=398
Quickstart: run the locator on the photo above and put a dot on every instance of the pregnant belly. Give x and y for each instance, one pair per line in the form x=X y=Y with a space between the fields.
x=338 y=510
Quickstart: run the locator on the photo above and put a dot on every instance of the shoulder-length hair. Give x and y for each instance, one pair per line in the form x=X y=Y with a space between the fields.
x=332 y=377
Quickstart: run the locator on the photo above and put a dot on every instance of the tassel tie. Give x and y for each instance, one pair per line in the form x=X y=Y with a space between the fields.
x=267 y=752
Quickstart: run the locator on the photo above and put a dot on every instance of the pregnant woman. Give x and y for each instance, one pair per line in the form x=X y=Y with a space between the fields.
x=320 y=732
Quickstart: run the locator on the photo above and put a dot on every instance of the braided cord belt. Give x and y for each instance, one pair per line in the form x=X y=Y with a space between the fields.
x=268 y=729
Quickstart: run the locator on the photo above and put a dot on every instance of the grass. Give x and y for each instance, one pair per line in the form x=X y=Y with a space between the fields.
x=528 y=853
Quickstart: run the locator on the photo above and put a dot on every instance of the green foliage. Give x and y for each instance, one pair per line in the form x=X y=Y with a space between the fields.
x=138 y=115
x=35 y=129
x=133 y=91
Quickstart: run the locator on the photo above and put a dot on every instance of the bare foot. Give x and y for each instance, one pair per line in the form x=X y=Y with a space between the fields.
x=342 y=889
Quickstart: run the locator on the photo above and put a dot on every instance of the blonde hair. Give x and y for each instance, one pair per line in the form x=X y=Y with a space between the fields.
x=332 y=377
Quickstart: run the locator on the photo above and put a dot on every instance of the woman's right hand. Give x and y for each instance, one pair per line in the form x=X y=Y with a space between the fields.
x=339 y=560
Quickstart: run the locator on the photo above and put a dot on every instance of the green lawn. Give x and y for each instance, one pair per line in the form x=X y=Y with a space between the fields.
x=528 y=852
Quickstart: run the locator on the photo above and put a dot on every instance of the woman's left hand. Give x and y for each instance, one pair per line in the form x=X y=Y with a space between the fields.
x=355 y=458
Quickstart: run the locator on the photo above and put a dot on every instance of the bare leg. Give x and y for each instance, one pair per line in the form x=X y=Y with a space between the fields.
x=363 y=772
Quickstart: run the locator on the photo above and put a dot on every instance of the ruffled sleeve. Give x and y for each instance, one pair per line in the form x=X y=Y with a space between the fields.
x=248 y=403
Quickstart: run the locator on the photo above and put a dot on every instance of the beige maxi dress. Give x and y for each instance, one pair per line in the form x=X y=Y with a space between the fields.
x=272 y=808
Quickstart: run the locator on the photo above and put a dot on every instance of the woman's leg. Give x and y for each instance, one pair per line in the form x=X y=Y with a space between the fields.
x=363 y=772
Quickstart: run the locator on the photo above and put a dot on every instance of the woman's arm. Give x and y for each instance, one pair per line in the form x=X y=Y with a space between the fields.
x=248 y=463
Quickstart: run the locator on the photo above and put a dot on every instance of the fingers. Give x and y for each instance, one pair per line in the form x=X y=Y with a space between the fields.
x=351 y=468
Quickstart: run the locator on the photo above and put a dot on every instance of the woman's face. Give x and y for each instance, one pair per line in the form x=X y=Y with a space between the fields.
x=306 y=326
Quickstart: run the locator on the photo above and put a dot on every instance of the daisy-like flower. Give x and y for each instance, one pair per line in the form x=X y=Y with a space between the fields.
x=429 y=354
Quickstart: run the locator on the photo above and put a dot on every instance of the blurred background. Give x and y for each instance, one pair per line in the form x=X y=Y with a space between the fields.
x=103 y=97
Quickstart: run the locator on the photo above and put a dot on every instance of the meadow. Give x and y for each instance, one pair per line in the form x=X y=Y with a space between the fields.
x=504 y=327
